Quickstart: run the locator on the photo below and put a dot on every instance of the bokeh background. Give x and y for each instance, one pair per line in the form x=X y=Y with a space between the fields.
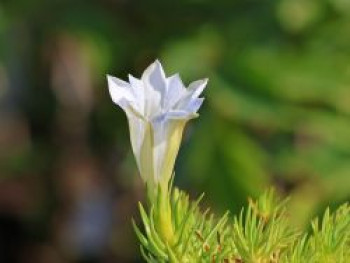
x=277 y=112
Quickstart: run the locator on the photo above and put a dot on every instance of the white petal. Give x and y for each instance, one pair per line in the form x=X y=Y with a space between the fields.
x=160 y=131
x=138 y=91
x=176 y=90
x=197 y=87
x=167 y=139
x=190 y=102
x=154 y=76
x=173 y=115
x=155 y=88
x=180 y=114
x=120 y=91
x=194 y=105
x=141 y=138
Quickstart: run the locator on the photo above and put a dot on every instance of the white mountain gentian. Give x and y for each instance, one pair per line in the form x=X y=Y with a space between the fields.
x=157 y=109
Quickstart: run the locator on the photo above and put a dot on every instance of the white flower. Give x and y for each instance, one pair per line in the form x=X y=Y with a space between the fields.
x=157 y=109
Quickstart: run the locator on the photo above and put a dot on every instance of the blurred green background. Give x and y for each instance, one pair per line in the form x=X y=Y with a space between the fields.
x=277 y=112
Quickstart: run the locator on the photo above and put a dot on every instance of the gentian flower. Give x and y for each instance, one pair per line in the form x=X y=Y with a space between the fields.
x=157 y=109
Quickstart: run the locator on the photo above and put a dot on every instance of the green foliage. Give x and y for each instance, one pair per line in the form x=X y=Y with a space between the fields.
x=330 y=239
x=261 y=233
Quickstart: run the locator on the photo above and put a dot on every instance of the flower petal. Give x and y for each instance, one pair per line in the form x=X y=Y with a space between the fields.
x=120 y=91
x=167 y=140
x=180 y=114
x=197 y=87
x=194 y=105
x=190 y=101
x=141 y=137
x=154 y=76
x=176 y=90
x=155 y=88
x=138 y=91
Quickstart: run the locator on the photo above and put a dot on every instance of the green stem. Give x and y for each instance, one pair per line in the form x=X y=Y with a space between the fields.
x=163 y=214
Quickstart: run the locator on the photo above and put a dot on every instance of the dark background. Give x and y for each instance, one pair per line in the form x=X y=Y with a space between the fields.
x=277 y=112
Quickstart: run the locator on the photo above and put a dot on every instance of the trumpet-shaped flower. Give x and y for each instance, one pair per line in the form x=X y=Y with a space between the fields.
x=157 y=109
